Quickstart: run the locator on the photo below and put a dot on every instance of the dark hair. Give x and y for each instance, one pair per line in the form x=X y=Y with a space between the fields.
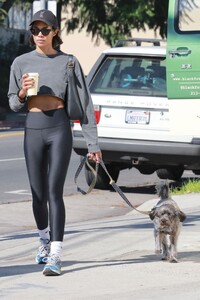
x=56 y=42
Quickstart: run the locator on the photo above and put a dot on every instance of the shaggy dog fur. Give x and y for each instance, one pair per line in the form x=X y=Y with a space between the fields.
x=167 y=218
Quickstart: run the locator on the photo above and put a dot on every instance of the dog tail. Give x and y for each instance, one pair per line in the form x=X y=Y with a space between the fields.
x=162 y=189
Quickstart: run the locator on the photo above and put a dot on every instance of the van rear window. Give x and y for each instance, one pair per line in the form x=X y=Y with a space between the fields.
x=188 y=15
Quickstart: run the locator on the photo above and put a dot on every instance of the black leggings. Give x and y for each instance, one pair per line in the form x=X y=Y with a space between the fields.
x=47 y=148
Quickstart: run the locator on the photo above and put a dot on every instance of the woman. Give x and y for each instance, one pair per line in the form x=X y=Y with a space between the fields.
x=48 y=138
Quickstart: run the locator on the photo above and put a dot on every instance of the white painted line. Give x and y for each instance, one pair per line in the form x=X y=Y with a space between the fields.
x=11 y=159
x=19 y=192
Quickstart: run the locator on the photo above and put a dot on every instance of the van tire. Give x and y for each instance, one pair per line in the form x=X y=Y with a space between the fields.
x=196 y=172
x=173 y=173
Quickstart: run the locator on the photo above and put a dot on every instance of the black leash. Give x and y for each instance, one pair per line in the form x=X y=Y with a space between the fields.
x=112 y=182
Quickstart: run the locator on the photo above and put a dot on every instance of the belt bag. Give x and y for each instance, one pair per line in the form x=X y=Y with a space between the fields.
x=75 y=102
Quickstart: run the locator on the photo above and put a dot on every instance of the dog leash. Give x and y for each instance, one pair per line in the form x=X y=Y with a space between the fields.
x=92 y=185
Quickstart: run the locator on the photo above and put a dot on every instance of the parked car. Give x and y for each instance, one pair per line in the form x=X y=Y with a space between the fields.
x=128 y=88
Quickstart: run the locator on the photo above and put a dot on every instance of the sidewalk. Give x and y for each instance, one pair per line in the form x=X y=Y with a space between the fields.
x=108 y=258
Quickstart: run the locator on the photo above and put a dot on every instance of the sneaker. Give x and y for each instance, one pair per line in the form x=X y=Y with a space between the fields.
x=53 y=266
x=43 y=251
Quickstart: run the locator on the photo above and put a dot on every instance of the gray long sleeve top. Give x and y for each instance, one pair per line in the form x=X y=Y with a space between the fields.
x=52 y=81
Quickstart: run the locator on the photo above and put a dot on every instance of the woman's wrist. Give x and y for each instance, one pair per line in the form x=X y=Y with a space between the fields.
x=22 y=98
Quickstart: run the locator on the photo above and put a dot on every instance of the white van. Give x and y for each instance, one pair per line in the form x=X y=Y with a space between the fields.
x=183 y=68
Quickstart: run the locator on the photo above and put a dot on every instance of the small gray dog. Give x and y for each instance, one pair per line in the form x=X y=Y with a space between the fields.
x=167 y=218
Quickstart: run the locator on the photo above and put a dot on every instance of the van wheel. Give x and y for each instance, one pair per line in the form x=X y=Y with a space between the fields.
x=103 y=181
x=170 y=173
x=196 y=172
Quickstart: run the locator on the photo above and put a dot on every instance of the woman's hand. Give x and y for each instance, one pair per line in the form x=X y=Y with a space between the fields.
x=27 y=83
x=95 y=156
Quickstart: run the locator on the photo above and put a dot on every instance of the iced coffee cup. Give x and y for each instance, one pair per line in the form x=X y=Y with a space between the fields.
x=33 y=91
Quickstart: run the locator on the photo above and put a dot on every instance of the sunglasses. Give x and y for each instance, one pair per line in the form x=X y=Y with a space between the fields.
x=45 y=31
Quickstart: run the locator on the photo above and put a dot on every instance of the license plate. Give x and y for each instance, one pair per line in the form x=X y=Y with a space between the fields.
x=137 y=117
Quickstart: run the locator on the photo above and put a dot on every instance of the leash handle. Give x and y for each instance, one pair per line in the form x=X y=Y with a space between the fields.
x=94 y=171
x=112 y=182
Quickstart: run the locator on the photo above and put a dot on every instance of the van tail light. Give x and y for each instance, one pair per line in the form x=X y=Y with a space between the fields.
x=97 y=113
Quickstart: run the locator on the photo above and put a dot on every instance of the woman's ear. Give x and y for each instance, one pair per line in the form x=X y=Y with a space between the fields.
x=55 y=32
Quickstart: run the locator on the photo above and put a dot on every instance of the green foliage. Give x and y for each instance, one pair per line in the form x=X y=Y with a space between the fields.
x=109 y=20
x=5 y=5
x=160 y=17
x=3 y=13
x=115 y=19
x=191 y=186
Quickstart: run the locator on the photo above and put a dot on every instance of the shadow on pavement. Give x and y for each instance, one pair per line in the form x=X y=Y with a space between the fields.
x=191 y=256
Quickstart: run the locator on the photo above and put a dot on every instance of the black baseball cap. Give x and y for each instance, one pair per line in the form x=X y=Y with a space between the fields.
x=45 y=16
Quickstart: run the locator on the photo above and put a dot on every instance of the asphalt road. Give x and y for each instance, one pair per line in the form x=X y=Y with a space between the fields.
x=14 y=185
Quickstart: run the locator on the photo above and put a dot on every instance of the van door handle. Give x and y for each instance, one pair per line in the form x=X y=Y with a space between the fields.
x=179 y=52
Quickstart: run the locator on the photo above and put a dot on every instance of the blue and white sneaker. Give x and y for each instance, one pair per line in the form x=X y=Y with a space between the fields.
x=53 y=266
x=43 y=251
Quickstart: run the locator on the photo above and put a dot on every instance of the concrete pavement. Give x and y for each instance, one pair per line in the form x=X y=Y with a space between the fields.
x=111 y=256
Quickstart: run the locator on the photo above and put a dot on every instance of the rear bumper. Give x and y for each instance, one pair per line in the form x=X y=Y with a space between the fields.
x=145 y=152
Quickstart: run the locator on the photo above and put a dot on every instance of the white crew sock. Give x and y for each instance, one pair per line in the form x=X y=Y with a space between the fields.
x=44 y=233
x=56 y=248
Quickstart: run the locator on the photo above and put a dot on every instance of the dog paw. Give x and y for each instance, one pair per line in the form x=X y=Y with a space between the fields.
x=158 y=251
x=165 y=258
x=173 y=260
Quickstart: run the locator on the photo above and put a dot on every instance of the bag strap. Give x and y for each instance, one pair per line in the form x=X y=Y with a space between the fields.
x=70 y=63
x=112 y=182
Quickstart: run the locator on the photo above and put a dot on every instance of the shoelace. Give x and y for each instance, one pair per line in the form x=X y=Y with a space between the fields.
x=53 y=259
x=44 y=248
x=43 y=251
